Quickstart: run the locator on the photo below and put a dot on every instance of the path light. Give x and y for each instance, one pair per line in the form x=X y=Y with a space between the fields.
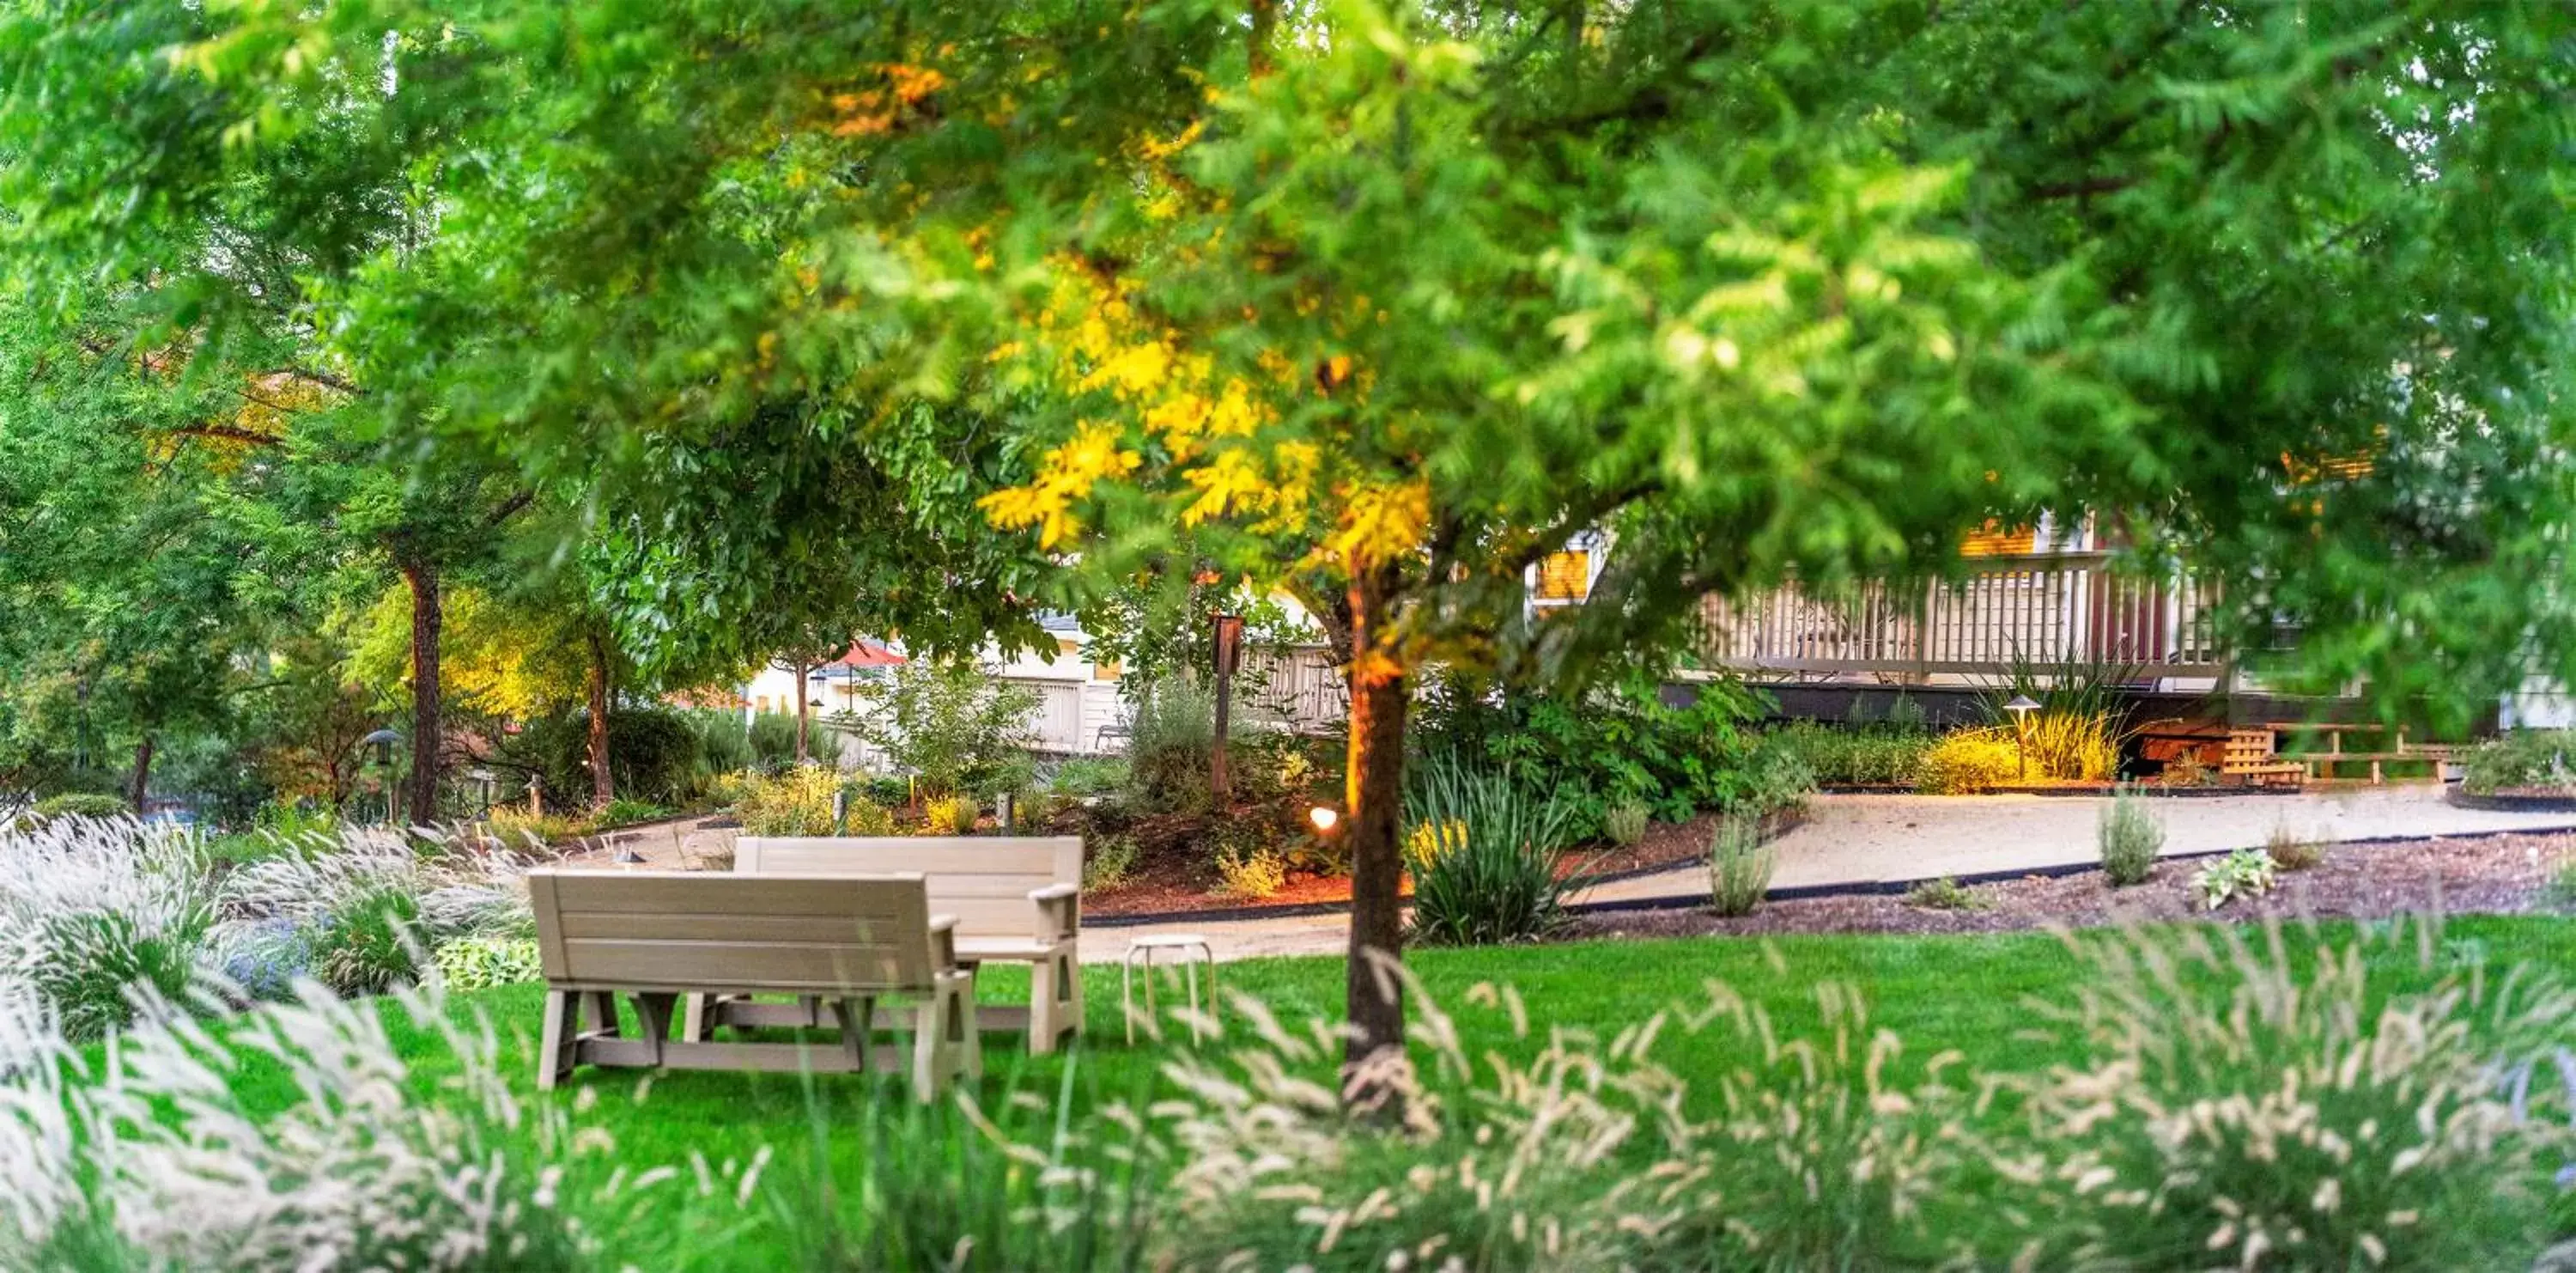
x=1324 y=817
x=2021 y=707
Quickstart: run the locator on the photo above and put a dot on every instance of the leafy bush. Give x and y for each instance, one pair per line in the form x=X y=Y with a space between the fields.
x=1494 y=877
x=949 y=815
x=1590 y=751
x=1739 y=866
x=2239 y=1106
x=1864 y=756
x=481 y=963
x=773 y=741
x=724 y=741
x=2294 y=852
x=956 y=726
x=1772 y=780
x=861 y=816
x=1943 y=894
x=76 y=804
x=622 y=812
x=2243 y=873
x=655 y=755
x=1109 y=861
x=2130 y=838
x=1625 y=822
x=2535 y=760
x=519 y=831
x=1968 y=761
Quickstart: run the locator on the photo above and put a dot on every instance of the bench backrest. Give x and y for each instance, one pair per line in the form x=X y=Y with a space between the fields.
x=983 y=880
x=696 y=931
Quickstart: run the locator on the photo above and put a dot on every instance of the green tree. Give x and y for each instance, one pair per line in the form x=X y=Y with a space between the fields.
x=1383 y=305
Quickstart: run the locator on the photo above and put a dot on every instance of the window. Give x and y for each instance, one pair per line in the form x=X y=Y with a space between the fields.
x=1565 y=576
x=1994 y=539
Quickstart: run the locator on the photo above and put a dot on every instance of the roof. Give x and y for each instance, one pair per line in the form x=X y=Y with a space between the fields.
x=867 y=654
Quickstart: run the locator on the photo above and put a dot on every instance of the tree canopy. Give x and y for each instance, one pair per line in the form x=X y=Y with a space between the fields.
x=898 y=310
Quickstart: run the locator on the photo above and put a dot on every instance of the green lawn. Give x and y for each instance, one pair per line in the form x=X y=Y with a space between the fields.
x=1967 y=993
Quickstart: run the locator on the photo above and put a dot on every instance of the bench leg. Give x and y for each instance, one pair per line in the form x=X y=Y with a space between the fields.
x=858 y=1031
x=693 y=1019
x=930 y=1052
x=653 y=1011
x=554 y=1044
x=1055 y=1002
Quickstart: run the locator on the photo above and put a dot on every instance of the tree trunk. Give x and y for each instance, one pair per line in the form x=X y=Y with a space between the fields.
x=802 y=707
x=1374 y=791
x=602 y=790
x=425 y=729
x=140 y=788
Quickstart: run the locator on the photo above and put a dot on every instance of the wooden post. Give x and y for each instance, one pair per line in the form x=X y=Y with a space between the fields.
x=1229 y=653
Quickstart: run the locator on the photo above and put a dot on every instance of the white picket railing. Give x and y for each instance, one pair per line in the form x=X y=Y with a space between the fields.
x=2054 y=609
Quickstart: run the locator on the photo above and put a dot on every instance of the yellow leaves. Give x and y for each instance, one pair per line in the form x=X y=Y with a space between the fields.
x=876 y=111
x=1381 y=523
x=1065 y=479
x=1157 y=151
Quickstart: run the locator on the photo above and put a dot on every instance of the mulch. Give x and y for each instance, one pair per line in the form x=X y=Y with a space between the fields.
x=2503 y=874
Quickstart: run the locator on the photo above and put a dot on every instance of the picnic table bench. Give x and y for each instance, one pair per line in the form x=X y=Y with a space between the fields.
x=657 y=937
x=1016 y=899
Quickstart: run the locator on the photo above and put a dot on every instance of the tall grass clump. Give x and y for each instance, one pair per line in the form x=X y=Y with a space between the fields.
x=2241 y=1104
x=2075 y=735
x=364 y=918
x=1591 y=1154
x=93 y=910
x=1494 y=876
x=1739 y=866
x=2130 y=838
x=149 y=1160
x=1967 y=761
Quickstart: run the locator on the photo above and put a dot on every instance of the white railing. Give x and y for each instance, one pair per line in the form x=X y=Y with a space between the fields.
x=2055 y=609
x=1300 y=685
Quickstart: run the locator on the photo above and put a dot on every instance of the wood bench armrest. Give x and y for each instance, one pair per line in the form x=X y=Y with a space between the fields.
x=943 y=942
x=1059 y=911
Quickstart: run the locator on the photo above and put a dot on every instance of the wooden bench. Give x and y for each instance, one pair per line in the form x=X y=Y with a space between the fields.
x=1017 y=899
x=2250 y=757
x=2334 y=754
x=656 y=936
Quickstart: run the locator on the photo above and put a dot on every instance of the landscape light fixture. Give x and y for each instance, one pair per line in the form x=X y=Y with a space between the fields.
x=1325 y=817
x=2021 y=707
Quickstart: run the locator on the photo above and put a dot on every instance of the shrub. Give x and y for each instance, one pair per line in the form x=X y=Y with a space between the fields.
x=1739 y=866
x=2130 y=838
x=521 y=831
x=81 y=804
x=623 y=812
x=860 y=816
x=1494 y=876
x=1250 y=871
x=955 y=725
x=1173 y=726
x=1943 y=894
x=1088 y=777
x=2242 y=1106
x=481 y=963
x=2072 y=746
x=773 y=741
x=724 y=742
x=949 y=815
x=1968 y=761
x=2294 y=852
x=1590 y=750
x=2243 y=873
x=2537 y=760
x=1866 y=756
x=1625 y=822
x=798 y=801
x=654 y=755
x=1109 y=861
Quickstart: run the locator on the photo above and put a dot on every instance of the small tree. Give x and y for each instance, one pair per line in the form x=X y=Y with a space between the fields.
x=954 y=725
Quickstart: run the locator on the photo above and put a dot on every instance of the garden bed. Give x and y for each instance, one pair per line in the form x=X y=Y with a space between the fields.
x=2514 y=800
x=1172 y=878
x=2501 y=874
